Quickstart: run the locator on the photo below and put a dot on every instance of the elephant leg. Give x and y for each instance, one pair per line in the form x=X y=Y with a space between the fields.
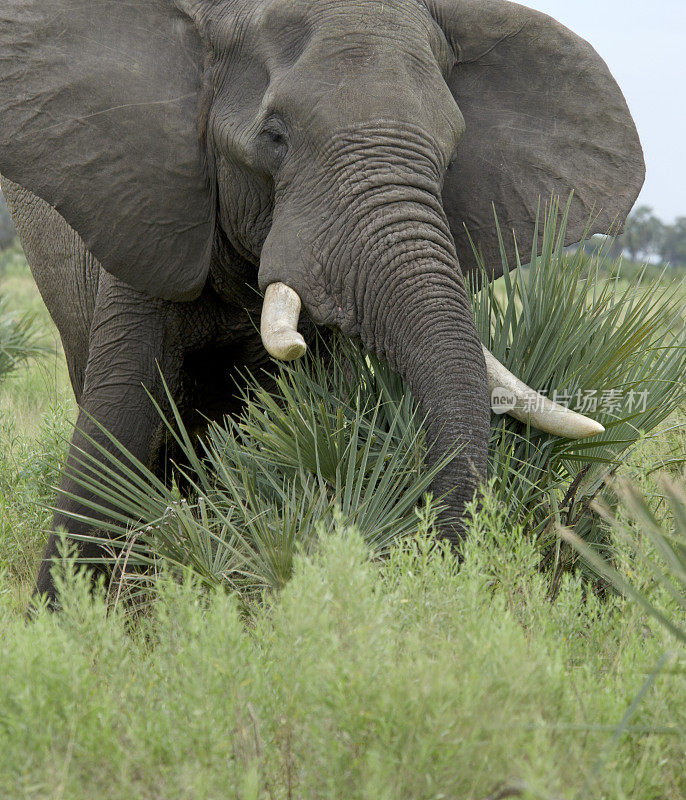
x=66 y=273
x=132 y=338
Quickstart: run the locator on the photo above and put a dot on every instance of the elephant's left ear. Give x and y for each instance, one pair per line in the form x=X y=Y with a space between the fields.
x=543 y=117
x=99 y=109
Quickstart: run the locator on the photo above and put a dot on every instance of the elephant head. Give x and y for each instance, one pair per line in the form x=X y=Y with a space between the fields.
x=347 y=149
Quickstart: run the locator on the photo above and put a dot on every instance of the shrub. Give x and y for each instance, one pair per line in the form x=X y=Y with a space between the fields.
x=422 y=679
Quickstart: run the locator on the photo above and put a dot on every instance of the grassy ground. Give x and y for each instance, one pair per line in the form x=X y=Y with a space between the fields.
x=415 y=678
x=36 y=408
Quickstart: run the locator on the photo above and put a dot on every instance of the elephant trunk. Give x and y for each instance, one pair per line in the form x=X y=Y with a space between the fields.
x=412 y=309
x=431 y=340
x=421 y=321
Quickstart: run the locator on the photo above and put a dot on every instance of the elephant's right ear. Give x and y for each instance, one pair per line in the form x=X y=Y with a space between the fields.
x=99 y=117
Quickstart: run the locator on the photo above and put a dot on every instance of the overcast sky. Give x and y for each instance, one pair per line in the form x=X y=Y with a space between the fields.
x=644 y=46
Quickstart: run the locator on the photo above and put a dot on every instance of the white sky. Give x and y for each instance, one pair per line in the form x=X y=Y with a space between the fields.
x=644 y=44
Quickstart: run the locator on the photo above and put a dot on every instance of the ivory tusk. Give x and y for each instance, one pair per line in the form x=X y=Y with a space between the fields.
x=279 y=326
x=523 y=403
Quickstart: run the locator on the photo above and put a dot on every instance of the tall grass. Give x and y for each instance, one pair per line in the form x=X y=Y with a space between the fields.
x=36 y=406
x=653 y=576
x=658 y=543
x=420 y=679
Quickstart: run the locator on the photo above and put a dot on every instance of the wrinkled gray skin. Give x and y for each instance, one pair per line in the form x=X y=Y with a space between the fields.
x=195 y=151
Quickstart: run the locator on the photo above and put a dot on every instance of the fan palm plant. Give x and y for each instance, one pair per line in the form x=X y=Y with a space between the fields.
x=612 y=349
x=336 y=440
x=340 y=435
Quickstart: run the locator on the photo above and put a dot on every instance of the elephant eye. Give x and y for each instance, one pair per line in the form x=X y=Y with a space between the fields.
x=272 y=143
x=274 y=132
x=275 y=137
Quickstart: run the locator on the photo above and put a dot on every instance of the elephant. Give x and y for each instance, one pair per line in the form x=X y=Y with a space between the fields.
x=168 y=161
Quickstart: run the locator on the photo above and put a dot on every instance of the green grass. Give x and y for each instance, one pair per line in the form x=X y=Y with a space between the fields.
x=410 y=677
x=22 y=320
x=416 y=678
x=36 y=408
x=27 y=395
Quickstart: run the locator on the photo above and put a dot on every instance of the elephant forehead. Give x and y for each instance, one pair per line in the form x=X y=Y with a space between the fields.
x=325 y=66
x=280 y=31
x=339 y=13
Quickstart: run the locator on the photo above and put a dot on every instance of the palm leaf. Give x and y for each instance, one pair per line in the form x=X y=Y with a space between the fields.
x=338 y=435
x=570 y=331
x=326 y=444
x=19 y=339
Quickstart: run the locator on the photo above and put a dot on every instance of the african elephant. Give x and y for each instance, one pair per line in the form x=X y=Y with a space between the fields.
x=166 y=159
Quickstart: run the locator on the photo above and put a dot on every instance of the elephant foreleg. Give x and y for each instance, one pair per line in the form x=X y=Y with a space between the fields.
x=132 y=338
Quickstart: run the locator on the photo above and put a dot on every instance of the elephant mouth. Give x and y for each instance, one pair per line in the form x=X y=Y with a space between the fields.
x=279 y=329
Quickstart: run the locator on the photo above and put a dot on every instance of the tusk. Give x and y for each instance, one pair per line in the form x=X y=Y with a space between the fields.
x=523 y=403
x=279 y=328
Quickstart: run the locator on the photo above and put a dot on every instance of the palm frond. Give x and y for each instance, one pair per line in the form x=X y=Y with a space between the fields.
x=333 y=440
x=338 y=434
x=608 y=348
x=19 y=339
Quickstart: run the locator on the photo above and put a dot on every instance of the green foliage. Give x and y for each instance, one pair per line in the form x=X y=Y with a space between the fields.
x=337 y=435
x=12 y=261
x=19 y=339
x=36 y=406
x=673 y=244
x=29 y=467
x=339 y=430
x=646 y=236
x=663 y=561
x=643 y=233
x=417 y=677
x=565 y=330
x=422 y=678
x=653 y=574
x=23 y=468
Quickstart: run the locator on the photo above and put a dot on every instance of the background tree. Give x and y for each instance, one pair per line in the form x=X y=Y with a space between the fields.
x=673 y=244
x=643 y=233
